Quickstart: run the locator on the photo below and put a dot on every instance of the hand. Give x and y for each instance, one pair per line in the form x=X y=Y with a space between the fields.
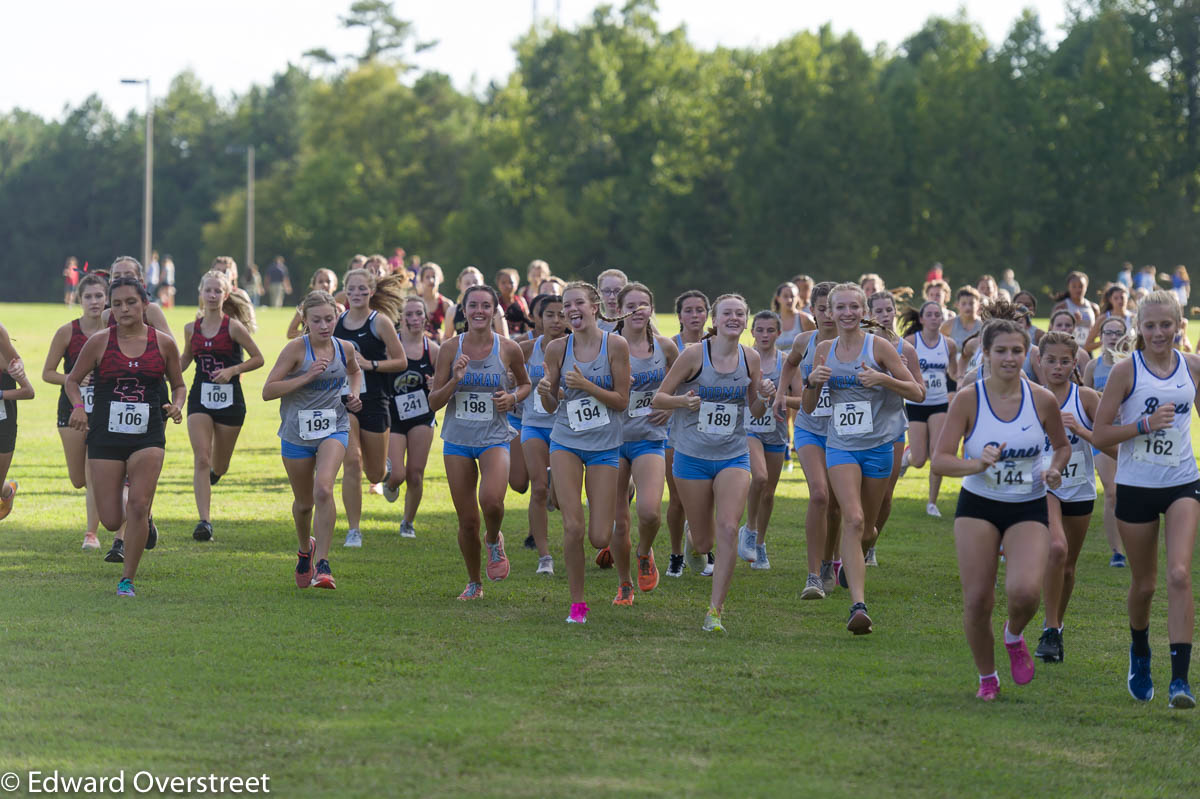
x=869 y=377
x=79 y=420
x=576 y=381
x=460 y=367
x=317 y=368
x=504 y=401
x=1163 y=418
x=16 y=369
x=354 y=403
x=766 y=390
x=174 y=412
x=692 y=401
x=820 y=373
x=363 y=363
x=660 y=418
x=1052 y=478
x=545 y=390
x=779 y=407
x=991 y=454
x=1071 y=423
x=225 y=375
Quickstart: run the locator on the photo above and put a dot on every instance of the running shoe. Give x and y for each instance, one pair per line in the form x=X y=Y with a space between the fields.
x=1050 y=646
x=989 y=688
x=905 y=461
x=1179 y=695
x=545 y=565
x=213 y=477
x=828 y=580
x=353 y=538
x=1141 y=684
x=647 y=573
x=709 y=563
x=407 y=530
x=151 y=533
x=125 y=587
x=932 y=510
x=376 y=488
x=869 y=558
x=841 y=574
x=578 y=614
x=813 y=589
x=529 y=542
x=760 y=559
x=712 y=621
x=391 y=494
x=323 y=578
x=1117 y=561
x=304 y=564
x=675 y=566
x=117 y=553
x=472 y=591
x=90 y=541
x=624 y=595
x=203 y=532
x=1019 y=660
x=859 y=622
x=6 y=505
x=604 y=558
x=747 y=540
x=497 y=564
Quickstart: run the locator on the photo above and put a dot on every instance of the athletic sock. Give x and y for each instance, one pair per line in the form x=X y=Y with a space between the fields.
x=1181 y=658
x=994 y=676
x=1009 y=638
x=1141 y=641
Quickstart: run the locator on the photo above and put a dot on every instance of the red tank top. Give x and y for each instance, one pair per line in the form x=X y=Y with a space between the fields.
x=74 y=346
x=131 y=379
x=433 y=321
x=215 y=353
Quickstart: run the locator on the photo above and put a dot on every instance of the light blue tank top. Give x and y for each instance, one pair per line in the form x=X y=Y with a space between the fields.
x=315 y=411
x=582 y=421
x=717 y=431
x=646 y=376
x=535 y=415
x=472 y=419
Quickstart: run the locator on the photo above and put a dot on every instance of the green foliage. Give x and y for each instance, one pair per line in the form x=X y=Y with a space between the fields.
x=621 y=144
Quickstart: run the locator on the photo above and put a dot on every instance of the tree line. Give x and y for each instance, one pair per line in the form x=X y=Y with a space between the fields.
x=619 y=143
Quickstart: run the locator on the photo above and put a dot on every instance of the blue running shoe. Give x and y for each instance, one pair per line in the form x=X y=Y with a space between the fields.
x=1141 y=684
x=1117 y=561
x=125 y=588
x=1180 y=696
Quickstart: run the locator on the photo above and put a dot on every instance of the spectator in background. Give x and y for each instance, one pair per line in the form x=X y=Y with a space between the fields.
x=804 y=286
x=414 y=268
x=1008 y=282
x=70 y=280
x=1125 y=276
x=987 y=287
x=1181 y=285
x=153 y=276
x=396 y=262
x=934 y=273
x=166 y=283
x=252 y=284
x=1144 y=279
x=277 y=282
x=537 y=272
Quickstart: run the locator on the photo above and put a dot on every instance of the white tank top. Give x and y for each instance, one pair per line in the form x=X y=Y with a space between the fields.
x=1017 y=476
x=1163 y=458
x=933 y=361
x=1079 y=475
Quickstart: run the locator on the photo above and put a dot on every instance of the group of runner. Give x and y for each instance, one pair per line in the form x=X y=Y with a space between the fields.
x=572 y=394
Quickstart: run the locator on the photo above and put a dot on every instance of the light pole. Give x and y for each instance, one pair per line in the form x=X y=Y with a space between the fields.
x=148 y=192
x=249 y=205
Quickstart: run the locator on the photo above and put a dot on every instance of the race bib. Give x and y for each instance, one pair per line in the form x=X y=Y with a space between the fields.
x=639 y=403
x=717 y=417
x=3 y=411
x=89 y=398
x=935 y=382
x=412 y=405
x=760 y=424
x=1160 y=448
x=317 y=423
x=1015 y=476
x=586 y=413
x=473 y=406
x=537 y=403
x=130 y=418
x=853 y=418
x=824 y=403
x=216 y=396
x=1074 y=473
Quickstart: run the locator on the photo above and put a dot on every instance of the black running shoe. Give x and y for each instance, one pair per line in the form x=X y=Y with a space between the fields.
x=151 y=534
x=529 y=542
x=213 y=477
x=203 y=532
x=117 y=553
x=1050 y=646
x=842 y=577
x=675 y=568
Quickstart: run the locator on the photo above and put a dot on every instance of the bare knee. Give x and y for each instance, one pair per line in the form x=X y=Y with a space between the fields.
x=1179 y=579
x=1058 y=552
x=323 y=494
x=1141 y=590
x=137 y=507
x=852 y=523
x=979 y=604
x=818 y=497
x=491 y=506
x=1023 y=598
x=414 y=477
x=202 y=459
x=651 y=517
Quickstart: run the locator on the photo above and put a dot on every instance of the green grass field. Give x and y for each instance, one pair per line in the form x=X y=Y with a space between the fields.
x=390 y=687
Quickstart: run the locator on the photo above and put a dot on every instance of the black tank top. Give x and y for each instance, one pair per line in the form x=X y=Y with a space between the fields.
x=371 y=347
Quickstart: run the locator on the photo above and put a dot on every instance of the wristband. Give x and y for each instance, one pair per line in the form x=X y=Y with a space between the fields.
x=79 y=405
x=1143 y=425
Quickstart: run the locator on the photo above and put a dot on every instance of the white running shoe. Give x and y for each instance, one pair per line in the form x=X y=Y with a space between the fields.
x=407 y=530
x=90 y=541
x=869 y=558
x=390 y=494
x=760 y=560
x=709 y=562
x=545 y=565
x=932 y=510
x=904 y=462
x=813 y=588
x=747 y=540
x=376 y=488
x=353 y=538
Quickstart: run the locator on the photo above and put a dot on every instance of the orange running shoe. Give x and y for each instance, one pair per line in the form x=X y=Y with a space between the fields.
x=604 y=558
x=624 y=595
x=305 y=564
x=647 y=573
x=497 y=561
x=323 y=578
x=11 y=487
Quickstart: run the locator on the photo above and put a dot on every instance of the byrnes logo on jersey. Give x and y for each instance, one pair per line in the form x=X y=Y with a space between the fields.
x=1011 y=454
x=1152 y=404
x=926 y=365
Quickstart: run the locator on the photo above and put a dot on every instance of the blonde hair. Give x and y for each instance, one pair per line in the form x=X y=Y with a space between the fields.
x=1157 y=297
x=233 y=304
x=593 y=295
x=458 y=281
x=313 y=281
x=387 y=293
x=314 y=299
x=712 y=313
x=617 y=273
x=855 y=289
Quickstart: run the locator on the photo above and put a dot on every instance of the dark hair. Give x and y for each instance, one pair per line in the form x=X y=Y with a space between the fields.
x=122 y=282
x=628 y=289
x=689 y=294
x=1058 y=313
x=92 y=279
x=1076 y=275
x=769 y=316
x=535 y=307
x=910 y=319
x=1030 y=305
x=481 y=287
x=997 y=327
x=1054 y=337
x=1106 y=302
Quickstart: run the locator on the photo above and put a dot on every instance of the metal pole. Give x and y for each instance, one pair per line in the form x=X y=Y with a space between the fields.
x=249 y=206
x=148 y=194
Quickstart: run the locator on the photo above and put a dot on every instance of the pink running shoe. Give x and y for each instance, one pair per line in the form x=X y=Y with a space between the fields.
x=306 y=564
x=497 y=562
x=1019 y=659
x=473 y=591
x=578 y=613
x=989 y=688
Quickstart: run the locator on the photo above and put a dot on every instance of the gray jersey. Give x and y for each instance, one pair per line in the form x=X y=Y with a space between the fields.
x=767 y=428
x=717 y=431
x=472 y=419
x=817 y=422
x=535 y=414
x=862 y=418
x=315 y=411
x=960 y=333
x=646 y=375
x=582 y=421
x=788 y=337
x=893 y=403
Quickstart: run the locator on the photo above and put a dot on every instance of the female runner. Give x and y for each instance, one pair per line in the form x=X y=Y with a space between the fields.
x=1114 y=305
x=1030 y=302
x=767 y=440
x=1075 y=302
x=314 y=429
x=537 y=423
x=938 y=359
x=792 y=320
x=65 y=347
x=860 y=369
x=322 y=280
x=591 y=370
x=967 y=322
x=412 y=419
x=535 y=273
x=1146 y=411
x=216 y=407
x=1061 y=321
x=469 y=380
x=14 y=385
x=1070 y=505
x=438 y=306
x=691 y=308
x=369 y=324
x=1003 y=422
x=609 y=283
x=719 y=380
x=1114 y=340
x=643 y=445
x=822 y=519
x=126 y=438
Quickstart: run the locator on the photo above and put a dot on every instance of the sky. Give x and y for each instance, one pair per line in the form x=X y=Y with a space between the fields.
x=86 y=47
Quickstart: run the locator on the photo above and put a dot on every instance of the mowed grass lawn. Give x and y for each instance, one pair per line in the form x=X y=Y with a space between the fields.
x=388 y=686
